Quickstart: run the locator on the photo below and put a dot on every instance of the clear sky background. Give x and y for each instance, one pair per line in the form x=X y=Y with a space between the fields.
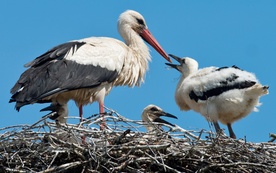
x=215 y=33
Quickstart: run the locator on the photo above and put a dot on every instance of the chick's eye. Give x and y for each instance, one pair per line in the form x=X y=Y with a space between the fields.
x=140 y=21
x=153 y=109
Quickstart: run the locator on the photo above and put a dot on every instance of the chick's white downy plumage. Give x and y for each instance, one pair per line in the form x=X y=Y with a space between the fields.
x=59 y=113
x=224 y=94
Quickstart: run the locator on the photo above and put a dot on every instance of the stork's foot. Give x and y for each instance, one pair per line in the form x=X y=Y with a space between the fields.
x=103 y=123
x=83 y=140
x=103 y=126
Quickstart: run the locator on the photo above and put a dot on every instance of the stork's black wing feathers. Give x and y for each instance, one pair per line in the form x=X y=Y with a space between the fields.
x=51 y=73
x=57 y=52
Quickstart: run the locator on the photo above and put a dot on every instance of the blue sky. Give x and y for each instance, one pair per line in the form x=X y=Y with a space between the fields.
x=215 y=33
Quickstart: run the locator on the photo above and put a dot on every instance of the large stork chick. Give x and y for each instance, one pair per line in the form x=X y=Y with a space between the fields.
x=152 y=113
x=224 y=94
x=86 y=70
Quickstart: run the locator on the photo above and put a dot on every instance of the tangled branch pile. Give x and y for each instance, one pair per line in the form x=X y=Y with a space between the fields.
x=123 y=147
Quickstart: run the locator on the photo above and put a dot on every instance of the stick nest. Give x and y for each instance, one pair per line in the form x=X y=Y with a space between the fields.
x=124 y=147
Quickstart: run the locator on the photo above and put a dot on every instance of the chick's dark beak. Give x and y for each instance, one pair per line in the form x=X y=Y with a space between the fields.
x=160 y=120
x=175 y=66
x=176 y=58
x=165 y=114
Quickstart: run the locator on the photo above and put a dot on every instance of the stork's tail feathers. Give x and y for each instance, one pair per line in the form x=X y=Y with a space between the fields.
x=259 y=89
x=265 y=89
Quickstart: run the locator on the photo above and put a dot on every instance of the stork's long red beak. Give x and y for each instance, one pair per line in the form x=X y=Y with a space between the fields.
x=148 y=37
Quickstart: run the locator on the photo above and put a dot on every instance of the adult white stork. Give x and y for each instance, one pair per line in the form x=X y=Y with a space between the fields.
x=226 y=94
x=152 y=113
x=85 y=70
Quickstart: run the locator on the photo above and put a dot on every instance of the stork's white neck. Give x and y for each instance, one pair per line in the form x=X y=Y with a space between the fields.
x=146 y=119
x=136 y=62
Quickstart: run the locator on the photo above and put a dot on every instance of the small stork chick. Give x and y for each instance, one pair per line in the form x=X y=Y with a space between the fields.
x=59 y=112
x=224 y=94
x=152 y=113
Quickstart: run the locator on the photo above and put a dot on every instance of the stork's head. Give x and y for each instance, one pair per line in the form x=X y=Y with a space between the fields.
x=152 y=113
x=132 y=20
x=132 y=24
x=186 y=65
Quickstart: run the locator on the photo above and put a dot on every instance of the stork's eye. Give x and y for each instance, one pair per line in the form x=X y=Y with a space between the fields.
x=183 y=61
x=153 y=109
x=140 y=21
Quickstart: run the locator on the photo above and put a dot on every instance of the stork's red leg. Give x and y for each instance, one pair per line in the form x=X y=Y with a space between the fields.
x=103 y=124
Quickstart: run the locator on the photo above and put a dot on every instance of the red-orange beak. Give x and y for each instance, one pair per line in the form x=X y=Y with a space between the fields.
x=148 y=37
